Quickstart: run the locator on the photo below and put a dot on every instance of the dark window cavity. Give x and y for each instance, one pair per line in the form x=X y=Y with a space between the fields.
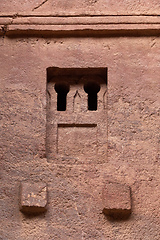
x=92 y=88
x=62 y=89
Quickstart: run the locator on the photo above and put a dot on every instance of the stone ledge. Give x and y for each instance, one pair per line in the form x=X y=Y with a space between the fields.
x=62 y=30
x=88 y=19
x=82 y=25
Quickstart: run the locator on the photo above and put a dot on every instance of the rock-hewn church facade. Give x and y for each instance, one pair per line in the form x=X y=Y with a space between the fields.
x=79 y=120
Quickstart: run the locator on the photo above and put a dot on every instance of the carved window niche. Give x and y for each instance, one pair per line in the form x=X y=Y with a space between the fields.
x=76 y=115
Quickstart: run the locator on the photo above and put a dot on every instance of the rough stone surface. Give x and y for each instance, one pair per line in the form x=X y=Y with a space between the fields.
x=131 y=122
x=117 y=200
x=75 y=190
x=33 y=197
x=81 y=7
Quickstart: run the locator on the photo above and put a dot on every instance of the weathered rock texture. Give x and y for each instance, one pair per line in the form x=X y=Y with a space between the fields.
x=33 y=197
x=116 y=200
x=95 y=7
x=128 y=46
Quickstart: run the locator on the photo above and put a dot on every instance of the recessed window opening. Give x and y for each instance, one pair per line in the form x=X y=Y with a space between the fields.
x=62 y=89
x=92 y=89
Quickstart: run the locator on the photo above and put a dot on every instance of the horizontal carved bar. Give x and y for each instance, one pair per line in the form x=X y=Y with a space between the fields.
x=79 y=25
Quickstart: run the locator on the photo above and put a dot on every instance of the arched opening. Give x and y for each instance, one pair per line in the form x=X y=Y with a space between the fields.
x=92 y=88
x=62 y=89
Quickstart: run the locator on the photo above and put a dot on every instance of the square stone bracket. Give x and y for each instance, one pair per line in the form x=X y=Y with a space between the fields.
x=33 y=197
x=116 y=200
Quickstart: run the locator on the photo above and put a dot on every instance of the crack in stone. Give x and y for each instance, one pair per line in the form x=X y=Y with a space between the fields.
x=40 y=5
x=4 y=30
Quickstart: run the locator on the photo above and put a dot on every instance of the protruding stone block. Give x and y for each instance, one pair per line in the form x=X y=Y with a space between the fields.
x=117 y=200
x=33 y=197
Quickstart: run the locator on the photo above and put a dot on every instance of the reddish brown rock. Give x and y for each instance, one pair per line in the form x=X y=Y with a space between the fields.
x=79 y=7
x=85 y=149
x=117 y=200
x=33 y=197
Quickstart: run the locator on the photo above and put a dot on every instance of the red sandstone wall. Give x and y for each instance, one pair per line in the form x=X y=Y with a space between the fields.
x=75 y=204
x=95 y=7
x=75 y=208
